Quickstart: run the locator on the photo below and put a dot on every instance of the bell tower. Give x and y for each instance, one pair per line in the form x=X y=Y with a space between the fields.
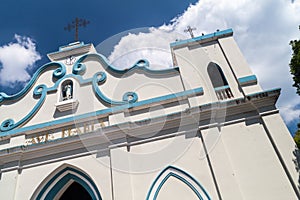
x=215 y=62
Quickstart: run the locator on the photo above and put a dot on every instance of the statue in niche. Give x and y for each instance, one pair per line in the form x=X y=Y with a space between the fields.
x=67 y=91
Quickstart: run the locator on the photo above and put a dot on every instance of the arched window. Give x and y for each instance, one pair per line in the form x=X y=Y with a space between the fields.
x=219 y=81
x=216 y=75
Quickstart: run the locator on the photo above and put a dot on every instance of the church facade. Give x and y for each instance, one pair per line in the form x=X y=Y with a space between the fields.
x=203 y=129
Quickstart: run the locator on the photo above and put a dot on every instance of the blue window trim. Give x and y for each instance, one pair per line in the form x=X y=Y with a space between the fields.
x=179 y=178
x=60 y=183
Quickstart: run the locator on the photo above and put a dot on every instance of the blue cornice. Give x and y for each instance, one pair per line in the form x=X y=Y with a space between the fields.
x=148 y=102
x=107 y=111
x=215 y=35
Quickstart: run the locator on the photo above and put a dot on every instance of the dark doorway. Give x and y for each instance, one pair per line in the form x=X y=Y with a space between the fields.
x=75 y=191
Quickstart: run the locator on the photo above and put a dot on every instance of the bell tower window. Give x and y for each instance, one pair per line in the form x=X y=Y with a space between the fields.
x=219 y=81
x=216 y=75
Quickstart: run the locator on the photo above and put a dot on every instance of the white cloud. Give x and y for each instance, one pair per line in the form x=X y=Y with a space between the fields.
x=262 y=29
x=15 y=59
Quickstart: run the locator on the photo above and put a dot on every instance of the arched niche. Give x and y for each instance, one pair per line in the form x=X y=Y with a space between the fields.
x=57 y=184
x=66 y=90
x=182 y=176
x=66 y=99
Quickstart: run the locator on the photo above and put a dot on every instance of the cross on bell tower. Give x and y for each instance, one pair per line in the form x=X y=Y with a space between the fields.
x=190 y=30
x=76 y=24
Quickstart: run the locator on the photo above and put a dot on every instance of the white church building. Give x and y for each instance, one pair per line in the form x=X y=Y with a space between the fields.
x=203 y=129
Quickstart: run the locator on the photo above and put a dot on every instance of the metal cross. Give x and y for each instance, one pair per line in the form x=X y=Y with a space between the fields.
x=75 y=24
x=190 y=30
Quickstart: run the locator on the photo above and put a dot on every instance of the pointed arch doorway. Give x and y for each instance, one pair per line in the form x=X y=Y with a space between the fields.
x=75 y=191
x=65 y=183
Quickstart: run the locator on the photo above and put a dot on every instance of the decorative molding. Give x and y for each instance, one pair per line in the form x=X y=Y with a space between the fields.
x=69 y=104
x=181 y=175
x=260 y=96
x=142 y=64
x=248 y=80
x=100 y=78
x=202 y=39
x=70 y=50
x=51 y=188
x=58 y=73
x=79 y=69
x=120 y=108
x=9 y=124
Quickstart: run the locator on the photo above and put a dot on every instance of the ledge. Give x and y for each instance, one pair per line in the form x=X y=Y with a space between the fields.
x=70 y=104
x=203 y=38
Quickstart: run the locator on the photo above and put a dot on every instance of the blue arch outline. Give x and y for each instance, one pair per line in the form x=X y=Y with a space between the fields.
x=179 y=178
x=58 y=186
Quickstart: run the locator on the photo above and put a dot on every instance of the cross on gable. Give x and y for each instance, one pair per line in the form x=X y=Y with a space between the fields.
x=190 y=30
x=76 y=24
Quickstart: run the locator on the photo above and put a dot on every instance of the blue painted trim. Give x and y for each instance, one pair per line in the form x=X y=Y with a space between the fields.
x=217 y=34
x=42 y=90
x=248 y=80
x=58 y=73
x=9 y=124
x=100 y=78
x=107 y=111
x=221 y=88
x=139 y=65
x=79 y=69
x=58 y=186
x=65 y=47
x=179 y=178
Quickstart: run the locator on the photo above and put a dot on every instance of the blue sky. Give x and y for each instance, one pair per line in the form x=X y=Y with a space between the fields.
x=44 y=21
x=31 y=29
